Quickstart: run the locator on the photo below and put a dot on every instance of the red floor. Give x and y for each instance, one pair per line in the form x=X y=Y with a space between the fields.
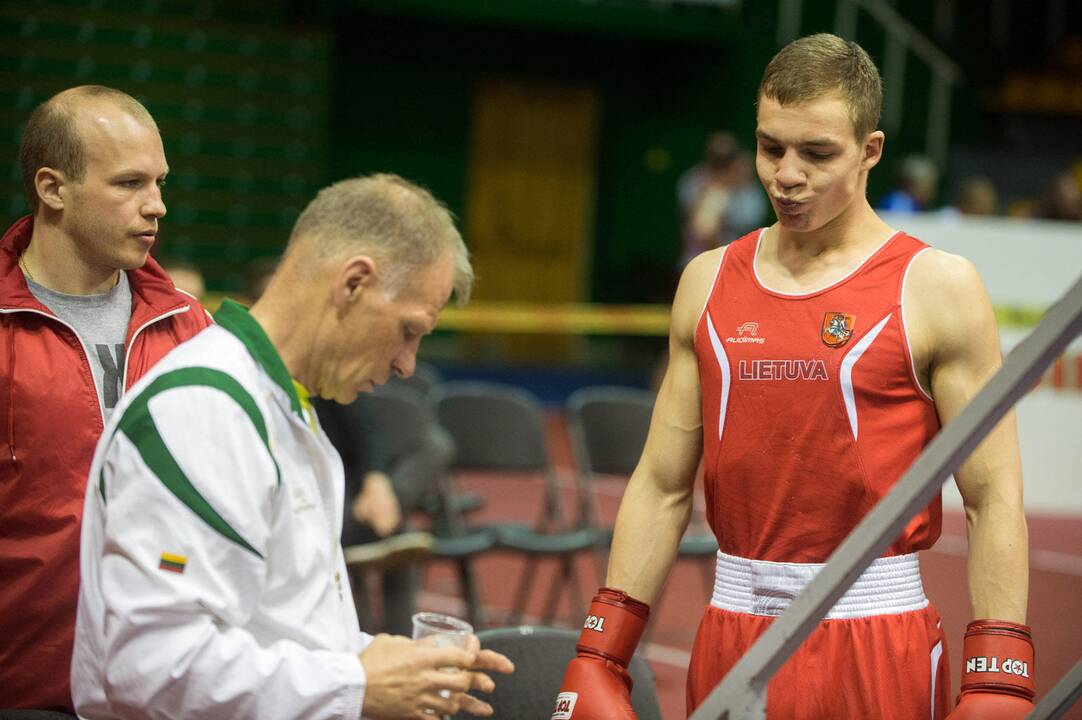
x=1055 y=609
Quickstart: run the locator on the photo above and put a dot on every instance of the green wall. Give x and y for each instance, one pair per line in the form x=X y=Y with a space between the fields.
x=242 y=106
x=262 y=103
x=404 y=83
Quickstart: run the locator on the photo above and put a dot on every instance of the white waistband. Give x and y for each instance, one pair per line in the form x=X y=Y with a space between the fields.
x=758 y=587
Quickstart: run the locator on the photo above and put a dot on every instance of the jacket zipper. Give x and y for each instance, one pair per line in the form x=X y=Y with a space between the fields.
x=141 y=328
x=336 y=564
x=86 y=353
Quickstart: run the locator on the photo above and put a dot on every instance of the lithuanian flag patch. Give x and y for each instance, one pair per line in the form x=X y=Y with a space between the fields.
x=173 y=563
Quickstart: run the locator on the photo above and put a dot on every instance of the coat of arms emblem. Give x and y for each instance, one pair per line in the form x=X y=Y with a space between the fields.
x=837 y=328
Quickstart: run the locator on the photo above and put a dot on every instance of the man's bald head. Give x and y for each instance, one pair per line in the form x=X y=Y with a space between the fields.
x=54 y=138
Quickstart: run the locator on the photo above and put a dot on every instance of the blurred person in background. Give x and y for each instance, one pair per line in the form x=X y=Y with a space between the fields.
x=719 y=199
x=1062 y=200
x=257 y=274
x=85 y=313
x=916 y=186
x=383 y=491
x=186 y=276
x=213 y=580
x=977 y=195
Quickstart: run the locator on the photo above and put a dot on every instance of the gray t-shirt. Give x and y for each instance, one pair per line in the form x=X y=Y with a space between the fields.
x=101 y=322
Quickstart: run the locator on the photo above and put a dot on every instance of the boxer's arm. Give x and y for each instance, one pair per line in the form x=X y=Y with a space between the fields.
x=653 y=515
x=964 y=353
x=656 y=505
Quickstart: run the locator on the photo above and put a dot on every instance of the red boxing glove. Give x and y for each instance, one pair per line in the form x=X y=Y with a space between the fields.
x=997 y=677
x=596 y=685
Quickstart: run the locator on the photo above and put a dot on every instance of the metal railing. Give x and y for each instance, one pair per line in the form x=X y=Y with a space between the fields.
x=741 y=695
x=1060 y=699
x=902 y=38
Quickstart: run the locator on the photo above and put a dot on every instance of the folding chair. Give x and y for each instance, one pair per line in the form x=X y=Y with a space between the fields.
x=425 y=377
x=541 y=655
x=499 y=429
x=420 y=452
x=608 y=427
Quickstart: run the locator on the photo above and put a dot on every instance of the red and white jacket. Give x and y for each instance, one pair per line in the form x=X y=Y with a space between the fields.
x=52 y=416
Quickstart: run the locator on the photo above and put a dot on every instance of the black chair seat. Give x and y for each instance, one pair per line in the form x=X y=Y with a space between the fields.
x=541 y=655
x=459 y=503
x=699 y=545
x=471 y=542
x=528 y=540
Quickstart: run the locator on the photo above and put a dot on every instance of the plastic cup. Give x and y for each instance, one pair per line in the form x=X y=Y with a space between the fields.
x=448 y=630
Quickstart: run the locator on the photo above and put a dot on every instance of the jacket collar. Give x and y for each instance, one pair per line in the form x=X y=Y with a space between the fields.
x=235 y=318
x=152 y=291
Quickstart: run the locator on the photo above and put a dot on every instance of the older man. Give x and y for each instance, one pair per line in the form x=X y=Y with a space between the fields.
x=84 y=313
x=213 y=580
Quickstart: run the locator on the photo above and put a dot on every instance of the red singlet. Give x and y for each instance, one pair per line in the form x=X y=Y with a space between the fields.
x=811 y=410
x=811 y=413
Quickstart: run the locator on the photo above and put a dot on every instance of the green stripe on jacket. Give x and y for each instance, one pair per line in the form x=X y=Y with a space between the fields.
x=138 y=426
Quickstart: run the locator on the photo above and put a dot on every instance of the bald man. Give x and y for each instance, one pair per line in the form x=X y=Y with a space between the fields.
x=85 y=313
x=213 y=581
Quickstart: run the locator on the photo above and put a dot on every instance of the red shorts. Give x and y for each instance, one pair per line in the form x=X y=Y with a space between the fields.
x=887 y=667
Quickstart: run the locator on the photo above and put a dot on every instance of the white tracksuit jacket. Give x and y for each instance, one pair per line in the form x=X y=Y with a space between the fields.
x=213 y=583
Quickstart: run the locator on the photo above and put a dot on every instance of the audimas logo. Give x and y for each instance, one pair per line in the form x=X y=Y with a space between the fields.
x=748 y=333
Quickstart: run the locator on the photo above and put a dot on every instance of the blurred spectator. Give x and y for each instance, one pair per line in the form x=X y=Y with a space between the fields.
x=186 y=276
x=719 y=198
x=257 y=275
x=1062 y=200
x=917 y=183
x=384 y=490
x=977 y=195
